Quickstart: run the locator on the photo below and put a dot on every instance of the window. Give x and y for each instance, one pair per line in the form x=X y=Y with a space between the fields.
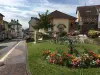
x=49 y=29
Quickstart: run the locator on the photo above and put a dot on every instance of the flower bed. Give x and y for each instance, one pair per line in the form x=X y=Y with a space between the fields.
x=85 y=60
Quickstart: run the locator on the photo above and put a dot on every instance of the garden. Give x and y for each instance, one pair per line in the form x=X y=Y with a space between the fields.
x=47 y=58
x=64 y=53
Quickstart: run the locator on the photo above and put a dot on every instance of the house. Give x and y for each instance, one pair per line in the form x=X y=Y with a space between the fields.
x=88 y=17
x=59 y=22
x=1 y=27
x=62 y=21
x=17 y=28
x=6 y=26
x=32 y=22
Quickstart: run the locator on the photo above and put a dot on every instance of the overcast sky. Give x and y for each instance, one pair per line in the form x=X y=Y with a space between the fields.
x=25 y=9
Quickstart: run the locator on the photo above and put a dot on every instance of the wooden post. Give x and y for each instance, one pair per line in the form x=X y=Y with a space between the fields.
x=35 y=37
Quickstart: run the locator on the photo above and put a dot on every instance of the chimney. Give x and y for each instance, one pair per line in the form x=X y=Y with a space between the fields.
x=32 y=18
x=17 y=20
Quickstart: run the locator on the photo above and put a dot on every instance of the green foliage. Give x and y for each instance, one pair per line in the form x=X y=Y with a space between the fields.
x=93 y=34
x=44 y=21
x=38 y=66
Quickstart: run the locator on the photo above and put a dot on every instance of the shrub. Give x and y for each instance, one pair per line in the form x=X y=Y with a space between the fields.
x=93 y=34
x=85 y=60
x=62 y=34
x=29 y=39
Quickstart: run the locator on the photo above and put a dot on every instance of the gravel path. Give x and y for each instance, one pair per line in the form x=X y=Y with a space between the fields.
x=15 y=64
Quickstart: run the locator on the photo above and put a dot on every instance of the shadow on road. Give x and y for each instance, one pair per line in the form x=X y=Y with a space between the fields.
x=1 y=47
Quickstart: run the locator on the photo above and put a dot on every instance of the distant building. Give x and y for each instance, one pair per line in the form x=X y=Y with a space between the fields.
x=88 y=17
x=2 y=29
x=17 y=28
x=32 y=22
x=6 y=26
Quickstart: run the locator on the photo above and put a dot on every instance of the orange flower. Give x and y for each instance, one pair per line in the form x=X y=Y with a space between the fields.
x=64 y=53
x=52 y=54
x=46 y=52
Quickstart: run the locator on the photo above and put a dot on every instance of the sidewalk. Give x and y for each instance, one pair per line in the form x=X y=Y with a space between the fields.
x=15 y=64
x=6 y=46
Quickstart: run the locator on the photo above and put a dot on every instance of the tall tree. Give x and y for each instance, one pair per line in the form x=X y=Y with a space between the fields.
x=44 y=21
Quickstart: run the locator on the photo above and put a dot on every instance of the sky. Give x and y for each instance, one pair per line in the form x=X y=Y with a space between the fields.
x=23 y=10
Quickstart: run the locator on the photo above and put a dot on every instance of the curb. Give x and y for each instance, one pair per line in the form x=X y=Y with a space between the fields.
x=27 y=65
x=6 y=55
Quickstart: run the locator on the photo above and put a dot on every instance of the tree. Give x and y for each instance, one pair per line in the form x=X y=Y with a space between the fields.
x=43 y=22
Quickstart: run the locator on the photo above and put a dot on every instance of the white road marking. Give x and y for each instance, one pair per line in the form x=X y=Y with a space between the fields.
x=4 y=57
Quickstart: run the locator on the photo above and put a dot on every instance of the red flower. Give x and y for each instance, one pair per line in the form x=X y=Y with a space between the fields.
x=68 y=55
x=92 y=54
x=52 y=60
x=60 y=59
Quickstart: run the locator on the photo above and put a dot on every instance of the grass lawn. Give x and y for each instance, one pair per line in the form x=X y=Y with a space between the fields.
x=38 y=66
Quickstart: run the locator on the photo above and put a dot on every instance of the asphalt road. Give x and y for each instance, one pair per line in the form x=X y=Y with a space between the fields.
x=15 y=63
x=6 y=46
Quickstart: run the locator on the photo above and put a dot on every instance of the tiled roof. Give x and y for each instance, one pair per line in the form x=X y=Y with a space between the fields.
x=1 y=15
x=58 y=14
x=88 y=10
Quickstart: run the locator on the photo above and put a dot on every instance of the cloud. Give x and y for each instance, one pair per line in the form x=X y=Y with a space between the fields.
x=19 y=3
x=89 y=2
x=25 y=9
x=93 y=2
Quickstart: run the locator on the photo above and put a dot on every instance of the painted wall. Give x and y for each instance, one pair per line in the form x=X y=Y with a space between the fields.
x=17 y=28
x=32 y=22
x=79 y=18
x=56 y=22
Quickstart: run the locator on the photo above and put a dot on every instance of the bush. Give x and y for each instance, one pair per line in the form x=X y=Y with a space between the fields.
x=85 y=60
x=46 y=37
x=29 y=39
x=93 y=34
x=62 y=34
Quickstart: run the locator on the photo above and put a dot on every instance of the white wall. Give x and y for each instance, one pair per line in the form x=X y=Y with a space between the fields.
x=56 y=22
x=79 y=18
x=15 y=32
x=99 y=21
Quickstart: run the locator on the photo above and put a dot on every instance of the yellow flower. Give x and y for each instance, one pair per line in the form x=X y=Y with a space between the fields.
x=75 y=59
x=99 y=56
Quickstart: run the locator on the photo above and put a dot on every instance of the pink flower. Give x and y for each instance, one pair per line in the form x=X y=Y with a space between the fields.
x=98 y=62
x=68 y=55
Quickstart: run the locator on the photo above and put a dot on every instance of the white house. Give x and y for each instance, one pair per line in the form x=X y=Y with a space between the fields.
x=17 y=28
